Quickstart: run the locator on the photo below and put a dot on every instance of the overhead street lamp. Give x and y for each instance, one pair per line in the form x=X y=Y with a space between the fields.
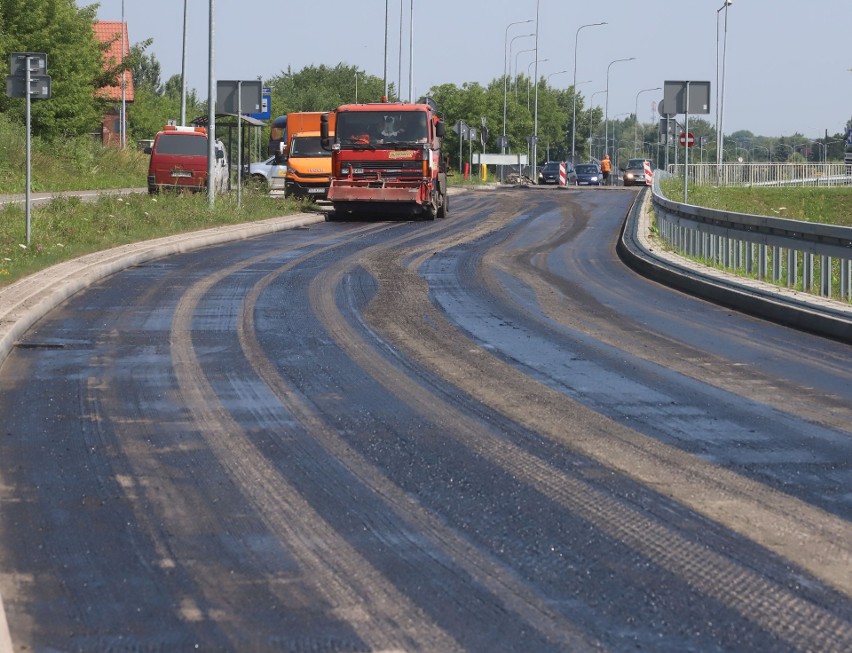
x=511 y=45
x=552 y=74
x=606 y=110
x=644 y=90
x=516 y=67
x=211 y=102
x=529 y=78
x=506 y=72
x=574 y=111
x=720 y=88
x=591 y=106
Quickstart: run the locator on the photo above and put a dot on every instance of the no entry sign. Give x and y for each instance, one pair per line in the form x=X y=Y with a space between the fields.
x=687 y=140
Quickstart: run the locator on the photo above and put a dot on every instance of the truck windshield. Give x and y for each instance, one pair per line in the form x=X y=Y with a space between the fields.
x=381 y=127
x=182 y=144
x=307 y=147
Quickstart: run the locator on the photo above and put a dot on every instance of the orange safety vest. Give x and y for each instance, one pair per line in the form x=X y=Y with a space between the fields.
x=605 y=165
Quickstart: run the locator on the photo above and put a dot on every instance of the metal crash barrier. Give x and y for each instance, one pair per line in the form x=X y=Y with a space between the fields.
x=809 y=257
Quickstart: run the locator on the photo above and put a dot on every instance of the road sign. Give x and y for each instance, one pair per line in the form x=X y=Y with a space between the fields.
x=18 y=63
x=687 y=140
x=248 y=100
x=675 y=97
x=39 y=87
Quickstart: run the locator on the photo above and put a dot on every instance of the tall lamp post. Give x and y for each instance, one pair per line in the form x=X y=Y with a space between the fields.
x=606 y=110
x=519 y=53
x=529 y=78
x=720 y=103
x=183 y=70
x=561 y=72
x=211 y=102
x=122 y=131
x=574 y=87
x=535 y=116
x=506 y=73
x=644 y=90
x=591 y=106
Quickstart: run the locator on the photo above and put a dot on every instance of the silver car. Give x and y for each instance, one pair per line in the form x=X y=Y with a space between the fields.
x=634 y=172
x=266 y=173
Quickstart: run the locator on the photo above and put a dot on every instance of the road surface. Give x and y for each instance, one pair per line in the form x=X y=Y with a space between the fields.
x=482 y=433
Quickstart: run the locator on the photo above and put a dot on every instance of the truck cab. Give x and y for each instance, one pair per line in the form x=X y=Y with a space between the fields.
x=308 y=166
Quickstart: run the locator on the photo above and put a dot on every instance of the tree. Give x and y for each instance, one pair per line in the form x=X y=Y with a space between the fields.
x=145 y=68
x=75 y=63
x=321 y=88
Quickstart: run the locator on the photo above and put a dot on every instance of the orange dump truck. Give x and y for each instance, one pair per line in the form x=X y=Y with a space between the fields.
x=386 y=158
x=308 y=162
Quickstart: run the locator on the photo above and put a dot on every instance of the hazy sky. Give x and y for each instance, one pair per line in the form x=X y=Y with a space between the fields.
x=787 y=66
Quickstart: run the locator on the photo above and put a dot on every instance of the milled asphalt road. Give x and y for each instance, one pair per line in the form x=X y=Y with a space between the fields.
x=27 y=300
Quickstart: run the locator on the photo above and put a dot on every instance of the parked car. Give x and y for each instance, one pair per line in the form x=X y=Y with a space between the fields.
x=549 y=173
x=266 y=173
x=179 y=161
x=588 y=174
x=634 y=172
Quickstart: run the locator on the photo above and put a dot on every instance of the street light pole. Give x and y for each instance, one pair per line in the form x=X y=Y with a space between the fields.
x=591 y=106
x=519 y=53
x=574 y=88
x=529 y=78
x=183 y=69
x=635 y=124
x=211 y=103
x=535 y=117
x=385 y=96
x=506 y=73
x=720 y=88
x=606 y=111
x=561 y=72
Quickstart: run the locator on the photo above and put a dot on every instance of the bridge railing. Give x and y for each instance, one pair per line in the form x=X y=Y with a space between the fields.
x=804 y=256
x=767 y=174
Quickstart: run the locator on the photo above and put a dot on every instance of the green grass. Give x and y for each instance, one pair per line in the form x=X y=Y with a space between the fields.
x=825 y=204
x=66 y=228
x=72 y=164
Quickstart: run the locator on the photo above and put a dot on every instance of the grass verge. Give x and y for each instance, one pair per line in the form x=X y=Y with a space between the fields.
x=67 y=227
x=824 y=204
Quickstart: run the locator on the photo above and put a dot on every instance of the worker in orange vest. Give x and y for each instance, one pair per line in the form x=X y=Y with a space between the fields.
x=606 y=168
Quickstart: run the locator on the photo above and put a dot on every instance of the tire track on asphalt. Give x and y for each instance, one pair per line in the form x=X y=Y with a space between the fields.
x=512 y=592
x=360 y=595
x=402 y=312
x=562 y=300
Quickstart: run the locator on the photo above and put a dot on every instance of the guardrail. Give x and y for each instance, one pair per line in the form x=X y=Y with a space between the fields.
x=767 y=174
x=809 y=257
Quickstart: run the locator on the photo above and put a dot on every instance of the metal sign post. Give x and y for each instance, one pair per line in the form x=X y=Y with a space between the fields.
x=28 y=79
x=231 y=97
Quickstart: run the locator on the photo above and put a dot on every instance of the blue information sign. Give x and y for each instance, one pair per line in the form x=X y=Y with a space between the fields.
x=265 y=105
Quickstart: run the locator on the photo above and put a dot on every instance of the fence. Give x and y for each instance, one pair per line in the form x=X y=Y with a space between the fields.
x=767 y=174
x=809 y=257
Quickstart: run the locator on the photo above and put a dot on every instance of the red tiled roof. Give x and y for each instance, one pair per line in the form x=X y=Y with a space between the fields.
x=110 y=32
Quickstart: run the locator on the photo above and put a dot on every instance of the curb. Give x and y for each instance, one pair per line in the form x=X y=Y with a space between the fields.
x=27 y=300
x=799 y=310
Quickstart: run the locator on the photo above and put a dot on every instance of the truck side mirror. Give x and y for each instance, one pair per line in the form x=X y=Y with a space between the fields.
x=440 y=129
x=324 y=139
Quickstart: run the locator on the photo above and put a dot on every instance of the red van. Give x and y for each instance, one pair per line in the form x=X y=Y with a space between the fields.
x=179 y=161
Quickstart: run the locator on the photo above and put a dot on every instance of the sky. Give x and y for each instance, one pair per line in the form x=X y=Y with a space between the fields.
x=787 y=64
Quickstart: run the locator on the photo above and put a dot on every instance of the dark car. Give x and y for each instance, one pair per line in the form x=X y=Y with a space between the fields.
x=634 y=172
x=588 y=174
x=549 y=173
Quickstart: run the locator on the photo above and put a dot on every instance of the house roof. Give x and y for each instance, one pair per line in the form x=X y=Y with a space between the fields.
x=111 y=32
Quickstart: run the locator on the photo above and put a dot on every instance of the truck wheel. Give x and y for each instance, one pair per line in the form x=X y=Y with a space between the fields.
x=445 y=206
